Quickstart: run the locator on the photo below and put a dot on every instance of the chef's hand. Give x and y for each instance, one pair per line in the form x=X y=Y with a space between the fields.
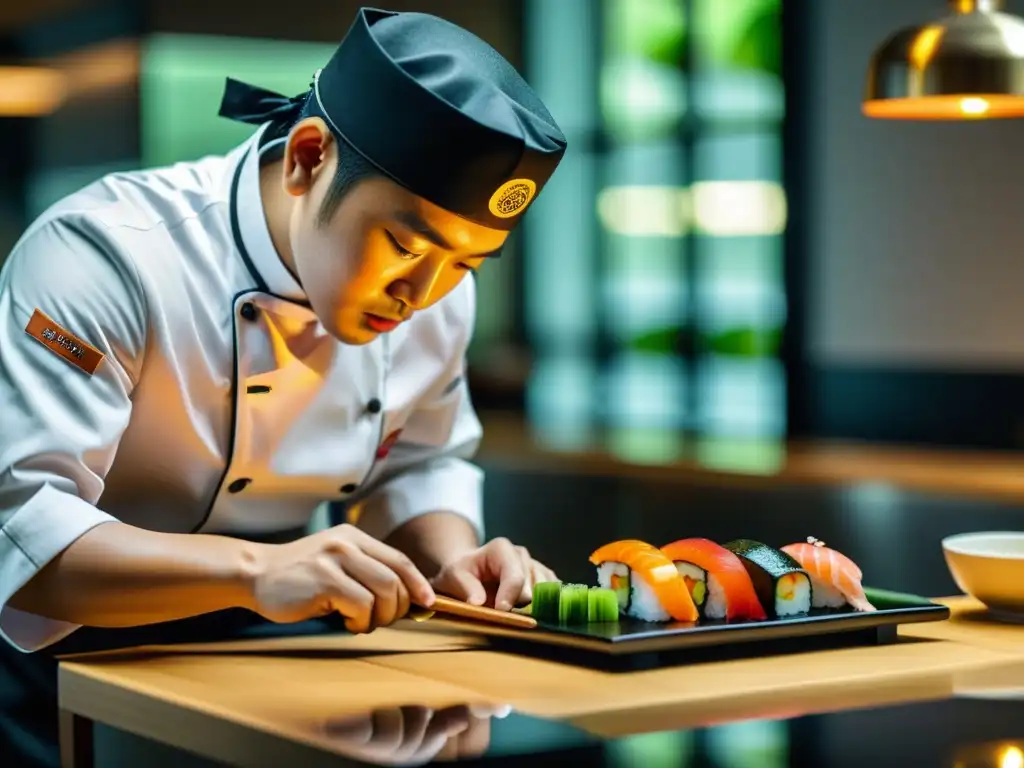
x=341 y=569
x=498 y=573
x=414 y=735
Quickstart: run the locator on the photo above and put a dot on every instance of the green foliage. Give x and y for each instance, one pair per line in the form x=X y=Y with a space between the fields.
x=742 y=341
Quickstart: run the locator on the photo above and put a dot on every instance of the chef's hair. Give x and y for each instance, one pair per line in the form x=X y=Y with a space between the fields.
x=352 y=168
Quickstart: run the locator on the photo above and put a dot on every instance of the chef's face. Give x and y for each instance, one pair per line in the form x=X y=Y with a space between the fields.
x=383 y=255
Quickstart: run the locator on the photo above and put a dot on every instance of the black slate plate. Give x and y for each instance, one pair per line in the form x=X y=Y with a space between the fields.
x=628 y=636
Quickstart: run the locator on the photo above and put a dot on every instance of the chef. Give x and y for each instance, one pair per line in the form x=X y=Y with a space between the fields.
x=194 y=358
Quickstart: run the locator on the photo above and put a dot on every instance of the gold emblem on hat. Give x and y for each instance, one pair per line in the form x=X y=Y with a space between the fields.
x=511 y=197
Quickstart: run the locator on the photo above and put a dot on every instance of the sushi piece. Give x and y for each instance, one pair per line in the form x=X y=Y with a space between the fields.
x=645 y=580
x=603 y=605
x=835 y=578
x=782 y=586
x=718 y=582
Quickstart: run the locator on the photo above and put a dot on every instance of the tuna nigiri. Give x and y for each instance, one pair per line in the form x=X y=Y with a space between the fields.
x=645 y=580
x=716 y=578
x=836 y=579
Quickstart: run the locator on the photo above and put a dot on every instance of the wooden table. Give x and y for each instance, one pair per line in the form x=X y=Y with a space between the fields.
x=300 y=700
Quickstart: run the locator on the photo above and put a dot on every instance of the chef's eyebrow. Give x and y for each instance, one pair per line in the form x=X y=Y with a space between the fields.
x=414 y=222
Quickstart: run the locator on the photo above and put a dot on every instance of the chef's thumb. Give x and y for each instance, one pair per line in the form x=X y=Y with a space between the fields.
x=462 y=585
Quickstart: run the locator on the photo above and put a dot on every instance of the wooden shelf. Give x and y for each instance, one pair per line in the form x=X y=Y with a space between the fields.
x=510 y=443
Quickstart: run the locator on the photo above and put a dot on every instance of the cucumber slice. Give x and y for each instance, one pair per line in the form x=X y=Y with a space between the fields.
x=602 y=605
x=545 y=603
x=573 y=604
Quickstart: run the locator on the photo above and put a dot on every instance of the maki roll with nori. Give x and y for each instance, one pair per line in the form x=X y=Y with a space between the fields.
x=782 y=586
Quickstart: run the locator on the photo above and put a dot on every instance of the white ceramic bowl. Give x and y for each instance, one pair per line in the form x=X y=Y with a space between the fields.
x=989 y=566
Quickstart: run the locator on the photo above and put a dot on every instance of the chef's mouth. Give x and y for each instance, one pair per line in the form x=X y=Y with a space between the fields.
x=380 y=323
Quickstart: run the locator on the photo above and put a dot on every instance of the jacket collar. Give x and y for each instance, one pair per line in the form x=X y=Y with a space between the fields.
x=249 y=225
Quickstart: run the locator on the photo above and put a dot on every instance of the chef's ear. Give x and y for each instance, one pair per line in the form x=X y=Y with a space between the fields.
x=306 y=154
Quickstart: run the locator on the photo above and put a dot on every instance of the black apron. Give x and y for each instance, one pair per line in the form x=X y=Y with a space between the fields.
x=29 y=730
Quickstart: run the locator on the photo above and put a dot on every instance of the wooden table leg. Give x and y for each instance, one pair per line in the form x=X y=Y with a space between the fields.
x=76 y=744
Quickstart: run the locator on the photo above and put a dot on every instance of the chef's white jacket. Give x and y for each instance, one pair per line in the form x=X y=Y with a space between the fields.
x=220 y=404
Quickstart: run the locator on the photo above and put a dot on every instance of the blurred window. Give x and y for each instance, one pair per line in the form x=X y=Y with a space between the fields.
x=654 y=298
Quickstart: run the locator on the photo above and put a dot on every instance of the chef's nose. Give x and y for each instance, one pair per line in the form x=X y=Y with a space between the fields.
x=415 y=287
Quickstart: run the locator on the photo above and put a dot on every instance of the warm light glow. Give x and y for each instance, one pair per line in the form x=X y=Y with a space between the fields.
x=1012 y=757
x=953 y=107
x=30 y=91
x=109 y=65
x=35 y=91
x=973 y=105
x=718 y=208
x=924 y=45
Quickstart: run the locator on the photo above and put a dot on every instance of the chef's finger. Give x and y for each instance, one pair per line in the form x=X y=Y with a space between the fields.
x=450 y=720
x=497 y=711
x=388 y=590
x=475 y=740
x=388 y=731
x=348 y=597
x=443 y=733
x=542 y=573
x=526 y=594
x=419 y=588
x=506 y=563
x=462 y=585
x=472 y=741
x=416 y=720
x=356 y=729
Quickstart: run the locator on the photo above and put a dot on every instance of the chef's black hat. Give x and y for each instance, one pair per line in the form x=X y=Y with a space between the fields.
x=433 y=107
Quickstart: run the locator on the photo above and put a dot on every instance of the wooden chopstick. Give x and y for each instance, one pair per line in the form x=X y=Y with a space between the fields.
x=452 y=607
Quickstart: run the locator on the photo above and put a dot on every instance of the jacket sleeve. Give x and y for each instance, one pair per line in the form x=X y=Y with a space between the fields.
x=60 y=425
x=429 y=468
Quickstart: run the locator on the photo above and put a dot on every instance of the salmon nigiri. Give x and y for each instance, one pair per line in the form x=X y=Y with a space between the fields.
x=645 y=580
x=717 y=580
x=835 y=578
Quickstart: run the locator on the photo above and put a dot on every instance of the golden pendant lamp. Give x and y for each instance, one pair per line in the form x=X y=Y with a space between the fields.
x=969 y=65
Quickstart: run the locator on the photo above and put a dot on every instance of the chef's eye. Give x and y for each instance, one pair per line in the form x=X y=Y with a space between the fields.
x=404 y=253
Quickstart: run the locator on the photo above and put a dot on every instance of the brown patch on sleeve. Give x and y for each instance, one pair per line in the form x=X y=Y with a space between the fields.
x=62 y=342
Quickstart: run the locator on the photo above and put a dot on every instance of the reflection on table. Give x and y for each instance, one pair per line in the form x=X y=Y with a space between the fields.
x=952 y=733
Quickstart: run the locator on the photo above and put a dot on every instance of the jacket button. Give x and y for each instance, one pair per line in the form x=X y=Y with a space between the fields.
x=348 y=488
x=374 y=406
x=248 y=311
x=239 y=485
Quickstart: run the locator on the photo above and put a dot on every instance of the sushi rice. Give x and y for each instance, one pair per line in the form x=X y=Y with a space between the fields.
x=827 y=596
x=636 y=598
x=712 y=600
x=716 y=605
x=793 y=595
